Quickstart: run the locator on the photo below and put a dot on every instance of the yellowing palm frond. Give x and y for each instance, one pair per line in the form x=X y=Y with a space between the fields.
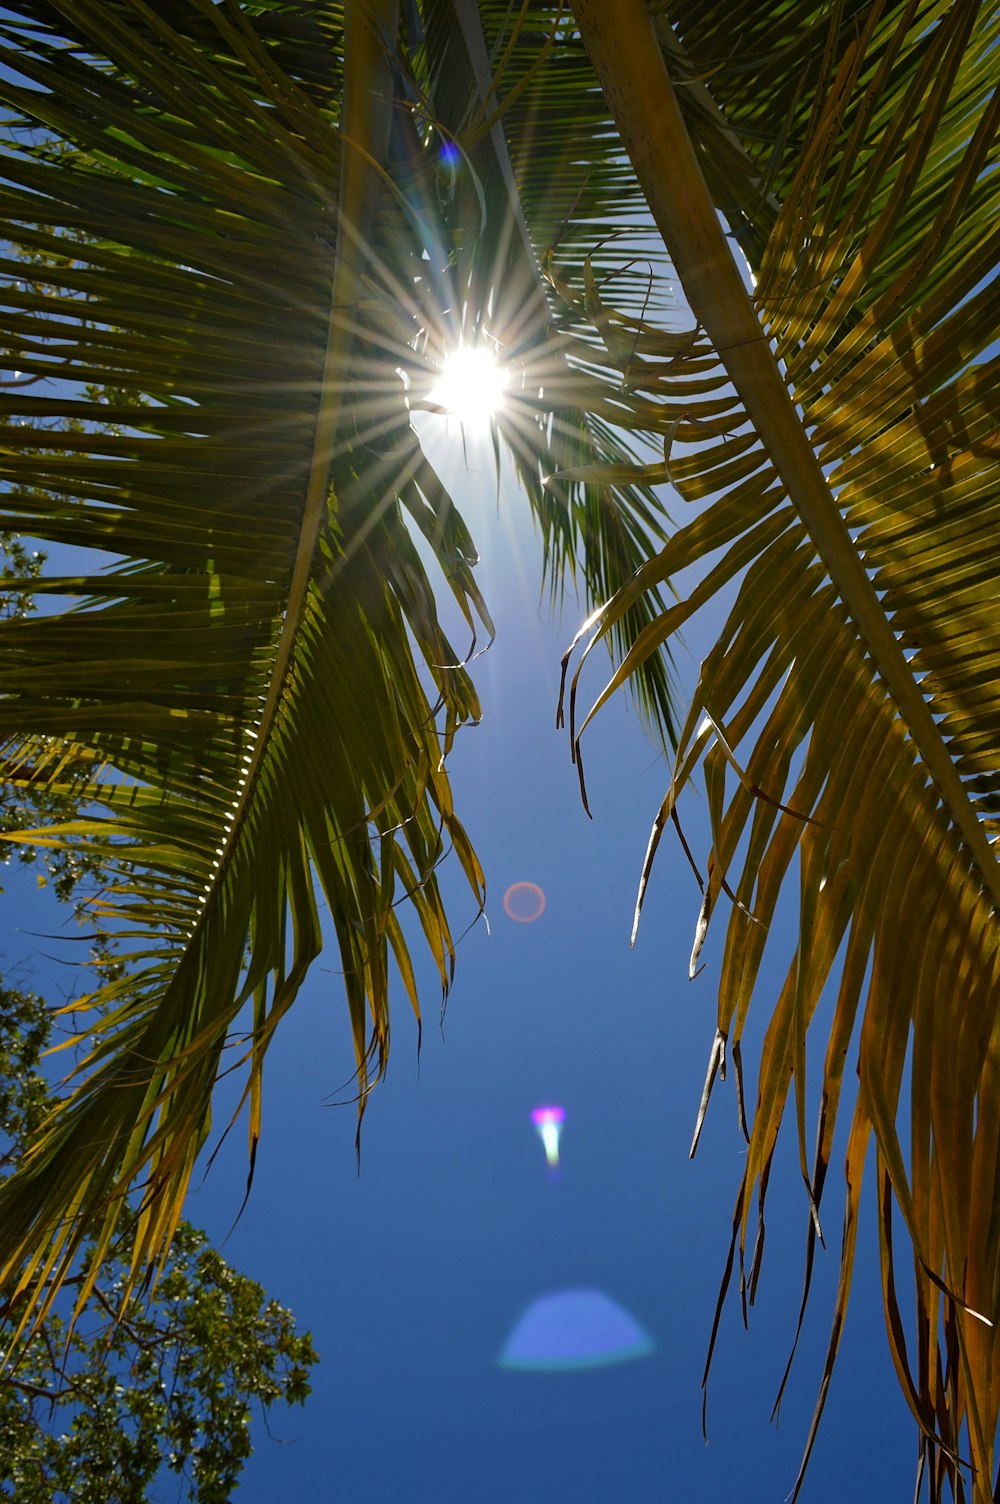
x=847 y=720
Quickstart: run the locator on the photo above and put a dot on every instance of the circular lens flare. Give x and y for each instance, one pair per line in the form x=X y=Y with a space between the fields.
x=524 y=902
x=471 y=386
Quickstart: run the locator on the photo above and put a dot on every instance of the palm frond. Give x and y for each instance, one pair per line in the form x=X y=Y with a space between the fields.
x=229 y=264
x=845 y=465
x=264 y=669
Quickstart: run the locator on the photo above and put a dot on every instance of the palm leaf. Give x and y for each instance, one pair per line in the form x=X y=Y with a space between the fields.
x=845 y=464
x=228 y=220
x=265 y=634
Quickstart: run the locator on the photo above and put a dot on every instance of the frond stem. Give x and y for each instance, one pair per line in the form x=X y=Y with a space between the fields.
x=629 y=63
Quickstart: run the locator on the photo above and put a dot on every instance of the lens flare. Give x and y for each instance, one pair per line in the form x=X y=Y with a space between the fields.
x=573 y=1329
x=524 y=903
x=549 y=1123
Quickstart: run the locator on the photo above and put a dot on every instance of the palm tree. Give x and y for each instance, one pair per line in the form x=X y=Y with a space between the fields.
x=274 y=220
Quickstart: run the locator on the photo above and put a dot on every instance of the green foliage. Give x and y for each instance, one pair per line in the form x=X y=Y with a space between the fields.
x=103 y=1409
x=99 y=1411
x=37 y=800
x=20 y=570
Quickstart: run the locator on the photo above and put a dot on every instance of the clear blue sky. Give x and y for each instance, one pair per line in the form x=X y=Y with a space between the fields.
x=412 y=1275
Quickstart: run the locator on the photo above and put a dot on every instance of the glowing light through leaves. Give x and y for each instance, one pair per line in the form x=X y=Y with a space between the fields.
x=549 y=1123
x=573 y=1329
x=471 y=386
x=524 y=902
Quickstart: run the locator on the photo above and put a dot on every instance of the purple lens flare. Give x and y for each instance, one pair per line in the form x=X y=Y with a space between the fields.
x=549 y=1122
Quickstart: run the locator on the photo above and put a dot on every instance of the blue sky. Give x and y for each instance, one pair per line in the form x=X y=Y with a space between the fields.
x=412 y=1274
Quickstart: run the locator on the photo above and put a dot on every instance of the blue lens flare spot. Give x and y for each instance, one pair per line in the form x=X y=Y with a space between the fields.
x=574 y=1329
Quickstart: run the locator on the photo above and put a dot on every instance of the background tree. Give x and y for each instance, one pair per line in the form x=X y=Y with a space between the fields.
x=289 y=205
x=100 y=1411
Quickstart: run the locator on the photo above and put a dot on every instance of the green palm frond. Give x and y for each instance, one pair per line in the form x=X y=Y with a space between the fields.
x=229 y=222
x=264 y=670
x=844 y=465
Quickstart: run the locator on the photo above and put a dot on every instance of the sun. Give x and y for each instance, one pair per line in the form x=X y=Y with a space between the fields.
x=471 y=386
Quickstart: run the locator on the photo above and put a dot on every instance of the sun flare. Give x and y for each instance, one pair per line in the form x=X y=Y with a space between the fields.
x=471 y=386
